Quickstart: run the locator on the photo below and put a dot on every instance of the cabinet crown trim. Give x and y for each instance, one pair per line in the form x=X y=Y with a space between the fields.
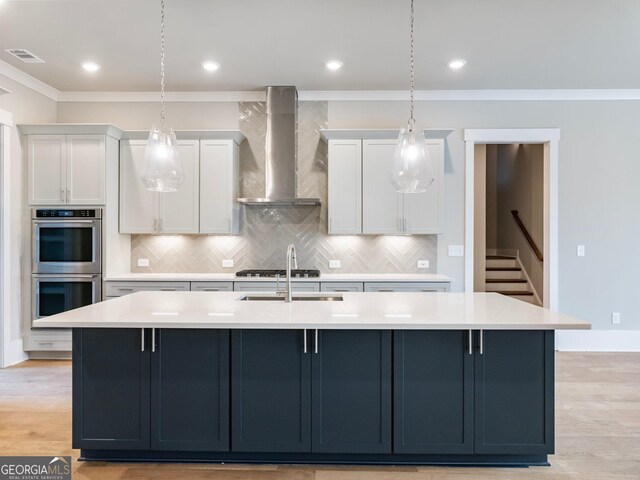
x=378 y=134
x=71 y=129
x=236 y=135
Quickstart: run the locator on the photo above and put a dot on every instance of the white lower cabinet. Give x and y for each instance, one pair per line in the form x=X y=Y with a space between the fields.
x=212 y=286
x=270 y=287
x=406 y=287
x=118 y=289
x=341 y=287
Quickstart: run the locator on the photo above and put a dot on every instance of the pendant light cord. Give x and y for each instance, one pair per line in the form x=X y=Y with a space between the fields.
x=162 y=121
x=411 y=77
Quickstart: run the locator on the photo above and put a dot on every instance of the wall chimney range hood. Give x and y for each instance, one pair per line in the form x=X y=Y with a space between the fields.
x=281 y=168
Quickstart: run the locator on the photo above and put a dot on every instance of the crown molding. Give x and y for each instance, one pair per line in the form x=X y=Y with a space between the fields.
x=473 y=95
x=28 y=81
x=33 y=83
x=152 y=97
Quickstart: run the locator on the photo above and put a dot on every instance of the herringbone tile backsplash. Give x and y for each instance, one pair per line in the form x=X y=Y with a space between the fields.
x=266 y=232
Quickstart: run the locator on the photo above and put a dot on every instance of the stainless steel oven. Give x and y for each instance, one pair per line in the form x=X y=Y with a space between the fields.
x=66 y=240
x=52 y=294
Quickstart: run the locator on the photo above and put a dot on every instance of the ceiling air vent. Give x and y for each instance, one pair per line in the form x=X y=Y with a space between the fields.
x=25 y=55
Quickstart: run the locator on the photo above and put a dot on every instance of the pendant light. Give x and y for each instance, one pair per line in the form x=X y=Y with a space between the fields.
x=164 y=171
x=413 y=170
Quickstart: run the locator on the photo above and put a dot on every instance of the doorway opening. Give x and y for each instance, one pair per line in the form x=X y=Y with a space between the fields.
x=508 y=220
x=511 y=213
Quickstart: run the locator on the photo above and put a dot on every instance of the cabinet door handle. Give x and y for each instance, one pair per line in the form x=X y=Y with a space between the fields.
x=210 y=289
x=62 y=195
x=167 y=289
x=404 y=225
x=304 y=340
x=155 y=224
x=341 y=290
x=385 y=290
x=481 y=342
x=162 y=224
x=153 y=340
x=316 y=342
x=142 y=339
x=470 y=342
x=68 y=195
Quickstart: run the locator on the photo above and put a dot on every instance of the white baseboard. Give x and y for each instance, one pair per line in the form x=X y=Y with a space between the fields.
x=14 y=354
x=598 y=340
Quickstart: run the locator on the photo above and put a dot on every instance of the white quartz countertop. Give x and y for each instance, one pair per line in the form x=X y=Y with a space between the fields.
x=366 y=311
x=324 y=277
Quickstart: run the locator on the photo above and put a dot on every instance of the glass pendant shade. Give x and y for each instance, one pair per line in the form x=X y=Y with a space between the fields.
x=413 y=170
x=164 y=170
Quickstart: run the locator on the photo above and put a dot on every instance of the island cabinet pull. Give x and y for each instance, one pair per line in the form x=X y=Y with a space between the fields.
x=304 y=340
x=470 y=342
x=142 y=339
x=481 y=342
x=316 y=342
x=153 y=340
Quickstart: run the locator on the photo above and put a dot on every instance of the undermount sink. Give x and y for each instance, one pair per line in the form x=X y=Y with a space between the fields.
x=296 y=298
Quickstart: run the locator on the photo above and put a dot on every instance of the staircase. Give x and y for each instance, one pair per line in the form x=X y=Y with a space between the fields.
x=504 y=275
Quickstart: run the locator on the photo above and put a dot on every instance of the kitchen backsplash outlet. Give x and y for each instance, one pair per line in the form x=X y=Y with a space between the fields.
x=266 y=232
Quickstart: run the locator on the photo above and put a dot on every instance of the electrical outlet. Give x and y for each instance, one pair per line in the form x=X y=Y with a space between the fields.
x=423 y=263
x=580 y=251
x=227 y=263
x=456 y=250
x=143 y=262
x=615 y=318
x=334 y=264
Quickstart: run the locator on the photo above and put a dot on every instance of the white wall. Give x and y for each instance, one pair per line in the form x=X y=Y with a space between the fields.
x=26 y=106
x=598 y=194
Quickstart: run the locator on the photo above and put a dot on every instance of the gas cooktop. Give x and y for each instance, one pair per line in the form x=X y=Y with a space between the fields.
x=298 y=273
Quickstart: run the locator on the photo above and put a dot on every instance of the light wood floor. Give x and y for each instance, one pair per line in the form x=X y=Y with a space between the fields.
x=597 y=430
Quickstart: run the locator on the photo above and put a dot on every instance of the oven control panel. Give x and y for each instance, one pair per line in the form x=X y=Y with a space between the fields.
x=67 y=213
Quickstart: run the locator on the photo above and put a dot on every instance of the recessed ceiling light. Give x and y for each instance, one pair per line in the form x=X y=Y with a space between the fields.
x=211 y=66
x=334 y=65
x=91 y=66
x=457 y=63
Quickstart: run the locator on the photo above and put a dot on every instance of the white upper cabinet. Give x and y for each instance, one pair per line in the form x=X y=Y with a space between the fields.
x=345 y=187
x=85 y=169
x=362 y=199
x=178 y=211
x=138 y=206
x=219 y=210
x=424 y=212
x=204 y=203
x=381 y=204
x=47 y=159
x=66 y=169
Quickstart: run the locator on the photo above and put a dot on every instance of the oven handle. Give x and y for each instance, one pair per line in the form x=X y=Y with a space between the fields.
x=64 y=276
x=60 y=222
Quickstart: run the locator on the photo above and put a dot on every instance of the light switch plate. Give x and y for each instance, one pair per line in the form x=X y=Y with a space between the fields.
x=615 y=318
x=580 y=251
x=143 y=262
x=334 y=264
x=456 y=250
x=423 y=263
x=227 y=263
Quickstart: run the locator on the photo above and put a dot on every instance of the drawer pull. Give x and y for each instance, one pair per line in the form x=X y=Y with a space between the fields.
x=125 y=289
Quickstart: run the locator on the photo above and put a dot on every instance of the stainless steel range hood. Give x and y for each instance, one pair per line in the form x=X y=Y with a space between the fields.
x=281 y=167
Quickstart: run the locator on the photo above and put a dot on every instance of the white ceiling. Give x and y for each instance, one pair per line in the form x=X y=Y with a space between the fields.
x=509 y=44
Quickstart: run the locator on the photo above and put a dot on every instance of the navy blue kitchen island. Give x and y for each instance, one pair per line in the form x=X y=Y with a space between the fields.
x=203 y=377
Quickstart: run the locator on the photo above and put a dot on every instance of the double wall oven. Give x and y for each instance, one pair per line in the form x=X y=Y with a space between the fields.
x=67 y=259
